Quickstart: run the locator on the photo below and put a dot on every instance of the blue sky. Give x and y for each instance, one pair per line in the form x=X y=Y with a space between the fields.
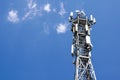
x=35 y=39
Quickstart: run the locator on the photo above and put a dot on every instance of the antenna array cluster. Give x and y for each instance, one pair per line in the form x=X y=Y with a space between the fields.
x=82 y=46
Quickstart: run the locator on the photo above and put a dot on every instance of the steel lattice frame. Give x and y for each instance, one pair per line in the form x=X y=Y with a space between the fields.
x=81 y=47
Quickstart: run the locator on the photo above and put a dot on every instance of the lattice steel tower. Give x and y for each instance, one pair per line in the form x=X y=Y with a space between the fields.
x=81 y=47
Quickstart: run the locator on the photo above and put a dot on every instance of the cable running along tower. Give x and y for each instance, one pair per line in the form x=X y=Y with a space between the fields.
x=81 y=47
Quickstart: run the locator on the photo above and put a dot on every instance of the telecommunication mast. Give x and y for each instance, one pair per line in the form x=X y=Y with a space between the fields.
x=81 y=46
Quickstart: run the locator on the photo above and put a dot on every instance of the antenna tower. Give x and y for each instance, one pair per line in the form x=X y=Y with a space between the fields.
x=81 y=46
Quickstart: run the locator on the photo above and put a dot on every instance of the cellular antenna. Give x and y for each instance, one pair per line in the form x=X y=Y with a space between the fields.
x=81 y=46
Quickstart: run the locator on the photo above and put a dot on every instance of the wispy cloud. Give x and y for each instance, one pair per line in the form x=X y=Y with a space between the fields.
x=47 y=7
x=62 y=10
x=32 y=5
x=46 y=28
x=32 y=10
x=13 y=16
x=62 y=28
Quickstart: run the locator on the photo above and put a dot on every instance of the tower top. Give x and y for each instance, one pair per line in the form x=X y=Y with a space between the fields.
x=82 y=18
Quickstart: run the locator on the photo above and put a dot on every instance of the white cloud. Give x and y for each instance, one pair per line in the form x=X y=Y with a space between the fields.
x=47 y=7
x=62 y=10
x=32 y=10
x=13 y=16
x=32 y=5
x=61 y=28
